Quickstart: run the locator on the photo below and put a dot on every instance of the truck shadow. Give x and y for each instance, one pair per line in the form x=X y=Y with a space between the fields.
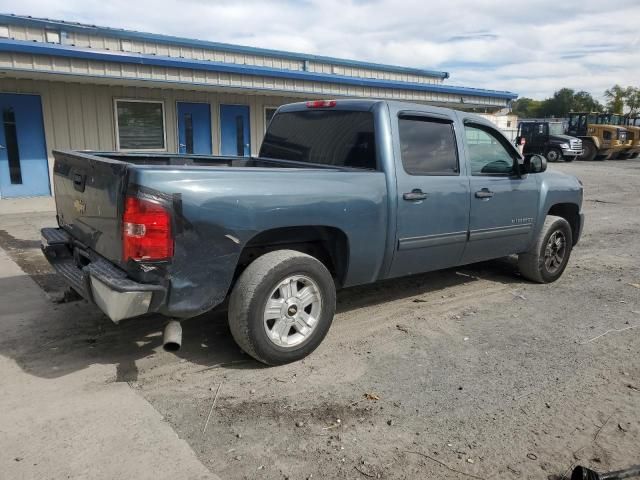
x=57 y=340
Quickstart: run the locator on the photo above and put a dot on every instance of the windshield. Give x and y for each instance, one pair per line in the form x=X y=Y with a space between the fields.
x=556 y=129
x=617 y=120
x=332 y=137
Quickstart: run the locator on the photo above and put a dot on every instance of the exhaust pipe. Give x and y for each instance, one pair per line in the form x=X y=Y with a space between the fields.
x=172 y=340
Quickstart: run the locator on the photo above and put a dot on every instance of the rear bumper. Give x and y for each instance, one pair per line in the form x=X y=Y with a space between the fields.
x=99 y=281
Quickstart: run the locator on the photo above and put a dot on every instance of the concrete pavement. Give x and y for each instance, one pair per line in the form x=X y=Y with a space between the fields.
x=76 y=423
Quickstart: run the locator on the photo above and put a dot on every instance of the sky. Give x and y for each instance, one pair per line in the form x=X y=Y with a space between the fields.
x=531 y=48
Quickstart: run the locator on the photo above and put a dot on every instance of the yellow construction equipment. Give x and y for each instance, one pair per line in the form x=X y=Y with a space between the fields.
x=599 y=141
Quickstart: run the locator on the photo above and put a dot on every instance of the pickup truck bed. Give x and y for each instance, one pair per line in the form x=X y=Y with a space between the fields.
x=343 y=193
x=91 y=189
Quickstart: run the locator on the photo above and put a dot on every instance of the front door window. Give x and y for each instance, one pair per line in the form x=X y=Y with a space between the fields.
x=487 y=154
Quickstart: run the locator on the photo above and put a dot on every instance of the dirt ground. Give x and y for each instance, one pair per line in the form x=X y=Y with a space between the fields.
x=466 y=373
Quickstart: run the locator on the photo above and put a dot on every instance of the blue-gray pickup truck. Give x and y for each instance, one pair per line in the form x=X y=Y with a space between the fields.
x=343 y=193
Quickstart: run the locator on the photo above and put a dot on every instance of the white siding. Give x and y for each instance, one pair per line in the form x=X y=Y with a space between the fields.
x=102 y=42
x=187 y=76
x=81 y=116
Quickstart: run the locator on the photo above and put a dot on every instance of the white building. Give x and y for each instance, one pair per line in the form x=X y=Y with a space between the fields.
x=66 y=85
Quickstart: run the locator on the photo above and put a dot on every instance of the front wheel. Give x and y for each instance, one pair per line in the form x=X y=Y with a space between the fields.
x=548 y=257
x=553 y=155
x=282 y=306
x=589 y=152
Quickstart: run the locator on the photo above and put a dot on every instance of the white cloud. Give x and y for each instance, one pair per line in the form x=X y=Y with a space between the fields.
x=531 y=48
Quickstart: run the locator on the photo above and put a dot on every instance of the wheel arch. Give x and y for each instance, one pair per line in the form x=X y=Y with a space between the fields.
x=571 y=213
x=328 y=244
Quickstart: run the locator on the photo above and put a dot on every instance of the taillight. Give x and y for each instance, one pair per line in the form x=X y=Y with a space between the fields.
x=146 y=231
x=321 y=103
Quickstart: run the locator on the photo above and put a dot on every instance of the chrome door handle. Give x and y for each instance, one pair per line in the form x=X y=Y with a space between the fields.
x=484 y=193
x=2 y=147
x=415 y=195
x=181 y=145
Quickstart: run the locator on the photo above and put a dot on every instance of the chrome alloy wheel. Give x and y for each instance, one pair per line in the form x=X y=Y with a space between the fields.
x=555 y=251
x=292 y=311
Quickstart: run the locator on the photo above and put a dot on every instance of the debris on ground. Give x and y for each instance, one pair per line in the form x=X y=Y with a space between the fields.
x=371 y=396
x=215 y=399
x=402 y=328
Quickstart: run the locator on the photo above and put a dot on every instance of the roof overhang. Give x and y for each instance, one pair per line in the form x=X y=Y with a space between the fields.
x=192 y=43
x=67 y=51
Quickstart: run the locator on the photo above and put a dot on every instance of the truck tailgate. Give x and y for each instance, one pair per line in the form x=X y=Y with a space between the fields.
x=89 y=193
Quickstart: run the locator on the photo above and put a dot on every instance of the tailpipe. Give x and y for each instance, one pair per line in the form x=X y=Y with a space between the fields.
x=172 y=340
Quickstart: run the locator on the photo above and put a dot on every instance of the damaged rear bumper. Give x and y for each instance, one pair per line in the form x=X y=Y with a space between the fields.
x=99 y=281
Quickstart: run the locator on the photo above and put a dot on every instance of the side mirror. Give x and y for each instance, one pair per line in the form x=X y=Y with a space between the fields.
x=535 y=164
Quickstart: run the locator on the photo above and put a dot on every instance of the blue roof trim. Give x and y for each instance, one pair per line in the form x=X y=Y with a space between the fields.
x=38 y=48
x=186 y=42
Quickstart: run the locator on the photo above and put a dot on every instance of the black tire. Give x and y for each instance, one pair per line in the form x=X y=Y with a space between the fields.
x=534 y=264
x=635 y=155
x=590 y=152
x=554 y=155
x=252 y=291
x=569 y=159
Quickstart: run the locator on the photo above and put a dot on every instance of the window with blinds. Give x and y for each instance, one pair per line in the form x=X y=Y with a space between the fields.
x=140 y=125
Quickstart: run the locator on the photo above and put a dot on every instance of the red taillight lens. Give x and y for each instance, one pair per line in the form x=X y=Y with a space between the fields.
x=146 y=231
x=321 y=104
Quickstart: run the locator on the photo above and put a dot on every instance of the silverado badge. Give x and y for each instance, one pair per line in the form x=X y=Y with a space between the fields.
x=80 y=206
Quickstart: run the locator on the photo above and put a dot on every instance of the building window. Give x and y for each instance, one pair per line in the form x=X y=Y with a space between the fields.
x=269 y=112
x=4 y=31
x=140 y=125
x=52 y=36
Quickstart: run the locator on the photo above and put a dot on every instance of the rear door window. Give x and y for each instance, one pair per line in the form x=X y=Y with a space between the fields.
x=338 y=138
x=428 y=146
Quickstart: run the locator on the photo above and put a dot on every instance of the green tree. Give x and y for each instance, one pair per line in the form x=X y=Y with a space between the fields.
x=584 y=102
x=632 y=100
x=526 y=107
x=561 y=103
x=615 y=96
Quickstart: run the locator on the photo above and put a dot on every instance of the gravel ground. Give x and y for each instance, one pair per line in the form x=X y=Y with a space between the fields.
x=466 y=373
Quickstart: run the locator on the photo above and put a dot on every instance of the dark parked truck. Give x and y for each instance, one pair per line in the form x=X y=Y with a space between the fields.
x=548 y=139
x=343 y=193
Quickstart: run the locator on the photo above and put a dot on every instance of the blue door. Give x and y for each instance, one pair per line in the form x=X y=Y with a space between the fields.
x=503 y=206
x=433 y=195
x=234 y=130
x=194 y=128
x=24 y=169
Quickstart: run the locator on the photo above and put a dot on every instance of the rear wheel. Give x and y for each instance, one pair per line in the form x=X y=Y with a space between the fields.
x=282 y=306
x=589 y=151
x=553 y=155
x=548 y=257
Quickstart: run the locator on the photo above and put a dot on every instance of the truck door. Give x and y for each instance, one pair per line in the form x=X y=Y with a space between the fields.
x=539 y=137
x=503 y=205
x=433 y=194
